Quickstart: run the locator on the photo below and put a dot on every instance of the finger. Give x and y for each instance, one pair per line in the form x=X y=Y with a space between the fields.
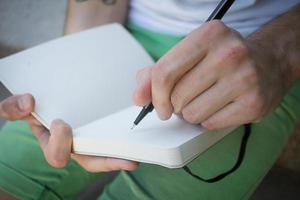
x=231 y=115
x=32 y=121
x=179 y=60
x=36 y=127
x=103 y=164
x=40 y=132
x=16 y=107
x=212 y=100
x=142 y=93
x=247 y=108
x=170 y=68
x=58 y=144
x=221 y=63
x=192 y=84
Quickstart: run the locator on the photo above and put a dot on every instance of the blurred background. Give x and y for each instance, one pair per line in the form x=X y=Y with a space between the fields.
x=27 y=23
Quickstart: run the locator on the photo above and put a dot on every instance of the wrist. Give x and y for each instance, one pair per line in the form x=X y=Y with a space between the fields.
x=272 y=73
x=275 y=60
x=278 y=41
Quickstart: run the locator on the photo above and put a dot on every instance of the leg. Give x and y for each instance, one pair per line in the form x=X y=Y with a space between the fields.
x=265 y=144
x=25 y=174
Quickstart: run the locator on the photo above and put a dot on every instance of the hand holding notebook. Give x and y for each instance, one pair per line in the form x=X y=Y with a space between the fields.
x=78 y=79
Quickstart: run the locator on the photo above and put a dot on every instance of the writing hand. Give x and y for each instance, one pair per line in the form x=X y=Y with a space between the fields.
x=213 y=76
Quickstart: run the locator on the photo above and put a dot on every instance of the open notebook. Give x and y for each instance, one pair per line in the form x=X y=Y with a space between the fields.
x=87 y=79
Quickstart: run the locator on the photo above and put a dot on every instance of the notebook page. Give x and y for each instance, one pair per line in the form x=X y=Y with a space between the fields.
x=171 y=143
x=78 y=78
x=150 y=131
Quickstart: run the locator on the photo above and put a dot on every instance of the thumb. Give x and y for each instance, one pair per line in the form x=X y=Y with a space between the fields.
x=142 y=93
x=16 y=107
x=58 y=144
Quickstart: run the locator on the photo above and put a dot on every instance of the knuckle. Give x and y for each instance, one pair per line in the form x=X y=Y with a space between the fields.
x=235 y=51
x=60 y=126
x=209 y=31
x=189 y=115
x=249 y=77
x=161 y=75
x=176 y=100
x=29 y=101
x=214 y=27
x=218 y=25
x=29 y=96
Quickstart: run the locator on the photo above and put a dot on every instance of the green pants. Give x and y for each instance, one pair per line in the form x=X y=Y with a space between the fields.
x=25 y=174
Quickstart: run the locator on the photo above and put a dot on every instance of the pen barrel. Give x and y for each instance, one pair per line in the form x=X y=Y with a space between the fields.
x=143 y=113
x=220 y=10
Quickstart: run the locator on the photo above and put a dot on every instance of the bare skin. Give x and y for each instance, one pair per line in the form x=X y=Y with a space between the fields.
x=56 y=143
x=213 y=77
x=219 y=79
x=82 y=15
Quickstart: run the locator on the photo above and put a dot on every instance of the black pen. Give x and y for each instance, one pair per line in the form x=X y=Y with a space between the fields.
x=218 y=13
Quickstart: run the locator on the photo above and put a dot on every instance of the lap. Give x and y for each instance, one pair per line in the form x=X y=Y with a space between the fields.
x=264 y=146
x=25 y=173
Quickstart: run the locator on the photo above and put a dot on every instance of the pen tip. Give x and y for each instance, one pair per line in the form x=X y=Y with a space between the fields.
x=133 y=127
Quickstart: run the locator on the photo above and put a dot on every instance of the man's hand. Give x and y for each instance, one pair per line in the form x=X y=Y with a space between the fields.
x=214 y=77
x=57 y=143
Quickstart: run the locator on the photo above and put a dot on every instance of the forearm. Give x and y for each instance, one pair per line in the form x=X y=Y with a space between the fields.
x=279 y=40
x=84 y=14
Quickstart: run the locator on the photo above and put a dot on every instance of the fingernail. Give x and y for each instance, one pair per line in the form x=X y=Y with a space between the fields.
x=162 y=115
x=24 y=103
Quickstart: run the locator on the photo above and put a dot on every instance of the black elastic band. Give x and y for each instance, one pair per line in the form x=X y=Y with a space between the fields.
x=247 y=131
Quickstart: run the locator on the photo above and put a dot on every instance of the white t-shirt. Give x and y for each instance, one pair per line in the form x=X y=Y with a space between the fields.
x=179 y=17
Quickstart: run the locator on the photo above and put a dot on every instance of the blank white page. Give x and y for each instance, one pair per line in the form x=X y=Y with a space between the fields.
x=171 y=143
x=151 y=130
x=78 y=78
x=87 y=79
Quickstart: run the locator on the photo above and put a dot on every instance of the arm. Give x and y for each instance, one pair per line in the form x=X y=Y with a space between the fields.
x=218 y=78
x=86 y=14
x=281 y=38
